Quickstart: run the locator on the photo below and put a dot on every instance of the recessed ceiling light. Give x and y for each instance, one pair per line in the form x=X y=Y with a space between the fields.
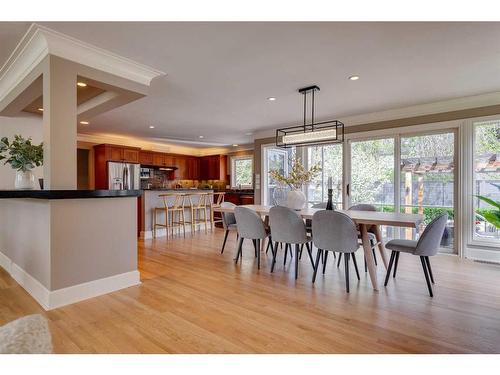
x=84 y=122
x=201 y=136
x=40 y=109
x=81 y=84
x=271 y=98
x=235 y=145
x=151 y=127
x=354 y=78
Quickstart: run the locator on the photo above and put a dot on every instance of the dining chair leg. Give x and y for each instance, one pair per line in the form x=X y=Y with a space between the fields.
x=225 y=239
x=269 y=244
x=297 y=250
x=346 y=265
x=275 y=252
x=391 y=261
x=255 y=247
x=300 y=253
x=396 y=261
x=429 y=268
x=424 y=266
x=322 y=257
x=309 y=252
x=319 y=255
x=366 y=265
x=340 y=258
x=240 y=246
x=374 y=256
x=286 y=254
x=258 y=253
x=355 y=265
x=325 y=261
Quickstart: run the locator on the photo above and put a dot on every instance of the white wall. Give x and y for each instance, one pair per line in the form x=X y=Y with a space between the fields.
x=30 y=126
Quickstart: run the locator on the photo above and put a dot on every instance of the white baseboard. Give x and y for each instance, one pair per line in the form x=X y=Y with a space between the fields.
x=61 y=297
x=5 y=262
x=31 y=285
x=72 y=294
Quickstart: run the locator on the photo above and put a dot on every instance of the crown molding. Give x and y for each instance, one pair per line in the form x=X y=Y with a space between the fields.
x=40 y=41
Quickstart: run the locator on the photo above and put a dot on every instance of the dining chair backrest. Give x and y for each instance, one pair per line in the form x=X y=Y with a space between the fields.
x=286 y=225
x=227 y=217
x=249 y=223
x=429 y=242
x=363 y=207
x=335 y=231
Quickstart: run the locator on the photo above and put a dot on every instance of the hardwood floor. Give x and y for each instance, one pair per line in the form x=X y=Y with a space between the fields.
x=194 y=300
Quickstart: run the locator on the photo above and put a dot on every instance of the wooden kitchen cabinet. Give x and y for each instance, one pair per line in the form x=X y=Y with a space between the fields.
x=213 y=167
x=158 y=159
x=130 y=155
x=146 y=158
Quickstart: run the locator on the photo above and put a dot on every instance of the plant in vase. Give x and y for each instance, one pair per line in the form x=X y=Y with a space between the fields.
x=23 y=156
x=297 y=178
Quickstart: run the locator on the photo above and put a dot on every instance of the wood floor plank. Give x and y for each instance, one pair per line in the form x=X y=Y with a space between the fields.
x=194 y=300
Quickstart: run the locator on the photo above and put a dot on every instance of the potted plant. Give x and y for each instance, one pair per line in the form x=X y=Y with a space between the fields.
x=491 y=216
x=296 y=179
x=23 y=156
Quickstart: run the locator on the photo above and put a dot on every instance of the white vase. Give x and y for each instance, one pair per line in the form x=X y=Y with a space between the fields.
x=295 y=199
x=25 y=180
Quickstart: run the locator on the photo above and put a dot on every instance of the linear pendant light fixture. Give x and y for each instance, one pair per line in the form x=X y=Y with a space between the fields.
x=324 y=132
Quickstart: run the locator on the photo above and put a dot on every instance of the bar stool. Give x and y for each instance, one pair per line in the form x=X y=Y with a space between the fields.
x=171 y=210
x=198 y=205
x=215 y=200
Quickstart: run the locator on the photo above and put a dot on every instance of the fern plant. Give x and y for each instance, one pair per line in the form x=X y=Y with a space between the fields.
x=21 y=153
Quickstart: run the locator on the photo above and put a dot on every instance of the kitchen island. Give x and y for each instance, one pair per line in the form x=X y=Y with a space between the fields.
x=151 y=199
x=63 y=246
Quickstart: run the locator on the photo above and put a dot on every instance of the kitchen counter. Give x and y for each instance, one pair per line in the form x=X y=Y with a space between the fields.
x=68 y=194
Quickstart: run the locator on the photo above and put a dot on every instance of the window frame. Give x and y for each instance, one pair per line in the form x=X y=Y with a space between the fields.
x=233 y=160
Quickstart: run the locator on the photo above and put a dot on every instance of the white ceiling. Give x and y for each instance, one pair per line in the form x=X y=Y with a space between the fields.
x=220 y=74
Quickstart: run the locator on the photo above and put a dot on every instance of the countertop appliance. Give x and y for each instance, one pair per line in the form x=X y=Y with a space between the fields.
x=123 y=176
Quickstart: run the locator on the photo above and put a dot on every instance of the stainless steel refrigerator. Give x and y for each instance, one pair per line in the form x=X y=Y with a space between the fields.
x=123 y=176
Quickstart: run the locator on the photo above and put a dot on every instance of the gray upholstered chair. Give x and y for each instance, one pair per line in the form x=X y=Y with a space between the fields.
x=426 y=246
x=228 y=222
x=371 y=236
x=249 y=226
x=289 y=228
x=335 y=231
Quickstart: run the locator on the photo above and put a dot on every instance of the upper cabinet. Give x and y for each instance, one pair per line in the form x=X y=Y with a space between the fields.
x=118 y=153
x=146 y=157
x=213 y=167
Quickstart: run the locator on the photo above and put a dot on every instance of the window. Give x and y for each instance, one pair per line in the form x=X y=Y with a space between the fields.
x=486 y=180
x=241 y=171
x=329 y=158
x=274 y=158
x=427 y=183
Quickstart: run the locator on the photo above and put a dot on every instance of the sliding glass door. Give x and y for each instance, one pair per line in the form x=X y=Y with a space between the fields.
x=372 y=175
x=274 y=158
x=422 y=166
x=427 y=182
x=329 y=158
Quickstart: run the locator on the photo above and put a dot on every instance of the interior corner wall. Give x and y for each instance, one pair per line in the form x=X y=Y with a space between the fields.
x=29 y=126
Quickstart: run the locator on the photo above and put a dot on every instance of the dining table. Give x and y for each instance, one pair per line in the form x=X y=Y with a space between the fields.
x=365 y=220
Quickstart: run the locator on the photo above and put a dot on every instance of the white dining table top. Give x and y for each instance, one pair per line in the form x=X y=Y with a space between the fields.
x=359 y=217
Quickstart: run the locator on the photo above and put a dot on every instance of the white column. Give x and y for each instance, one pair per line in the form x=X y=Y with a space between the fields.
x=59 y=125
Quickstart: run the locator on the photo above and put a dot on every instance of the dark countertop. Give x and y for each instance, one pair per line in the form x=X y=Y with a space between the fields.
x=68 y=194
